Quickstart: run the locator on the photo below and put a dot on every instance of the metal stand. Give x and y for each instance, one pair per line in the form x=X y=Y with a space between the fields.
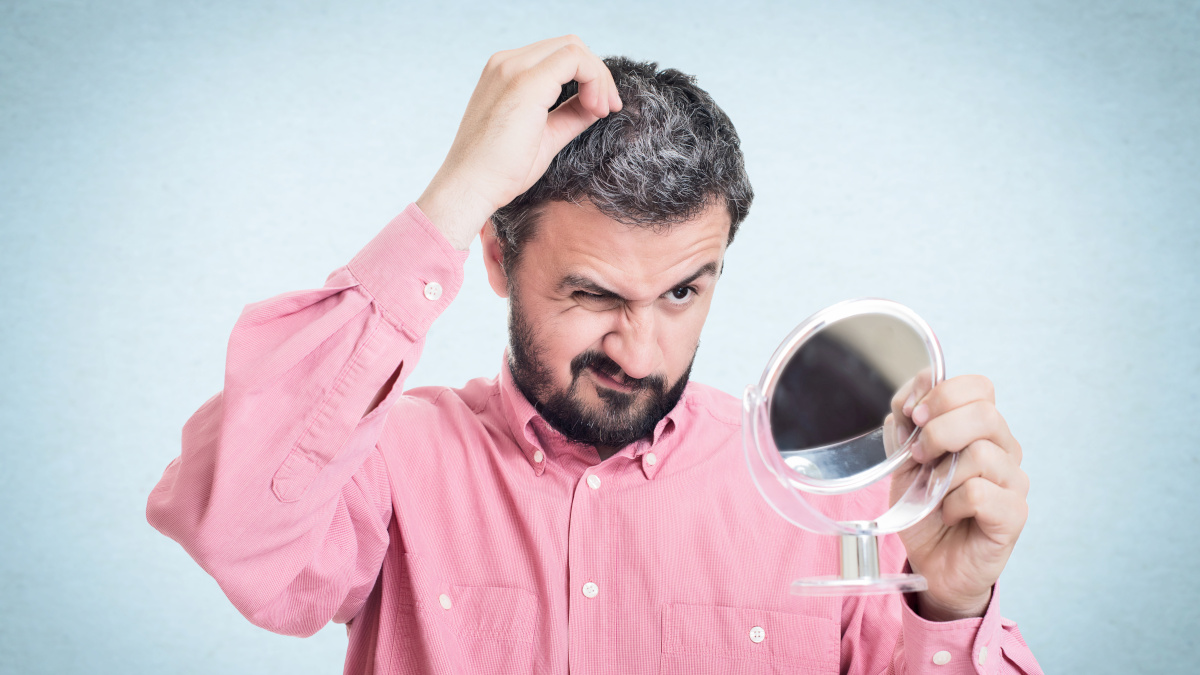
x=860 y=571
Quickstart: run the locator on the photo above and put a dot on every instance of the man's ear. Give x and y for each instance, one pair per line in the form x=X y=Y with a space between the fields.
x=493 y=259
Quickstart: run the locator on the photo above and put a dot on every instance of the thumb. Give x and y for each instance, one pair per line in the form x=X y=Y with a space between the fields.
x=565 y=123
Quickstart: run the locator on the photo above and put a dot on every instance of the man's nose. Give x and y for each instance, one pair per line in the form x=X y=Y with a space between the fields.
x=633 y=344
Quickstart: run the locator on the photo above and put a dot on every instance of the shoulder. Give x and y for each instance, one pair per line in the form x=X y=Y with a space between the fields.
x=473 y=395
x=444 y=409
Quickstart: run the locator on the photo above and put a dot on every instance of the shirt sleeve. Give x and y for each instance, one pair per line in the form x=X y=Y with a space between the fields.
x=280 y=492
x=882 y=634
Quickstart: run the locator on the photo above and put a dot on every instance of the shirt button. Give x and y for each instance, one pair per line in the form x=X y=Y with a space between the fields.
x=982 y=655
x=445 y=600
x=941 y=658
x=594 y=482
x=651 y=459
x=433 y=290
x=757 y=634
x=538 y=456
x=590 y=590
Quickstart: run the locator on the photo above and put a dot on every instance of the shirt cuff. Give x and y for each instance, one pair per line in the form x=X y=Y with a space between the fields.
x=954 y=647
x=411 y=270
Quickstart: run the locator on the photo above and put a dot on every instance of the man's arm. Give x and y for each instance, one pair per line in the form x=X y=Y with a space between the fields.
x=279 y=492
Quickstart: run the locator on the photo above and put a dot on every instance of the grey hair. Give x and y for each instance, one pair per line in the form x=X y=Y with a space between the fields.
x=663 y=159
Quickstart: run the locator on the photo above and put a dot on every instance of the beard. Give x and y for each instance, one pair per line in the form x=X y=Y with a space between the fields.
x=621 y=418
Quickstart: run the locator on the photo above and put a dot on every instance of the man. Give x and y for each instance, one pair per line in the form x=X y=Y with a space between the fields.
x=589 y=509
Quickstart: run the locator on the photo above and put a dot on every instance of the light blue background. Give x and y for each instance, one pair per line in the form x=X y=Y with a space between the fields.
x=1024 y=175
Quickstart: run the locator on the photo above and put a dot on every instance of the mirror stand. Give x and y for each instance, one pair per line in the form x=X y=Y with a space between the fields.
x=859 y=570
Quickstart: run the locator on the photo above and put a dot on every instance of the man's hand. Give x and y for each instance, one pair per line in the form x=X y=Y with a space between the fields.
x=962 y=547
x=507 y=137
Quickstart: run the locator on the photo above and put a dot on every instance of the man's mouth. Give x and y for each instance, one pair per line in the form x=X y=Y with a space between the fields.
x=609 y=381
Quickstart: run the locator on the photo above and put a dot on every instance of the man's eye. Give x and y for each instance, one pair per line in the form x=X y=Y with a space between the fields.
x=594 y=300
x=681 y=295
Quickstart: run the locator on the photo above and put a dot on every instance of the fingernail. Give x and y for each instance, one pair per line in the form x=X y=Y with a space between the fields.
x=916 y=450
x=912 y=398
x=921 y=415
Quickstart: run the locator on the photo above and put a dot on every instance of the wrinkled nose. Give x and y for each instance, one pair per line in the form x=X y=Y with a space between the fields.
x=633 y=345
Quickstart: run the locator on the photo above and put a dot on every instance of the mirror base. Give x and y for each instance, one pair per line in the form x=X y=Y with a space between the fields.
x=833 y=586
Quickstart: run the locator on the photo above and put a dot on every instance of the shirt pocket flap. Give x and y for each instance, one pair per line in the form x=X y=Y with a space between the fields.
x=695 y=637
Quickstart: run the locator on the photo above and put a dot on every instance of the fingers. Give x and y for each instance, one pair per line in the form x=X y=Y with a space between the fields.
x=954 y=430
x=986 y=460
x=902 y=404
x=912 y=392
x=566 y=122
x=951 y=394
x=563 y=59
x=999 y=513
x=573 y=62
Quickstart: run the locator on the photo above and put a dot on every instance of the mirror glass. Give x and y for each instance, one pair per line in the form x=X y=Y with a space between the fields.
x=836 y=408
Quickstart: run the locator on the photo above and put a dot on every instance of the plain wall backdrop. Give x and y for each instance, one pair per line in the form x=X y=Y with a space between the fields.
x=1023 y=174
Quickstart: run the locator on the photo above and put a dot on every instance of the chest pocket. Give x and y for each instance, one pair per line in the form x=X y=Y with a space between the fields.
x=495 y=627
x=699 y=640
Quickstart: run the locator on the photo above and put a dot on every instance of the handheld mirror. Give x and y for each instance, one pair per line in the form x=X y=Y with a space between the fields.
x=827 y=418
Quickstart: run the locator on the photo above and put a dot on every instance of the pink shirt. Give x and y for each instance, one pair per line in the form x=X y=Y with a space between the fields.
x=454 y=532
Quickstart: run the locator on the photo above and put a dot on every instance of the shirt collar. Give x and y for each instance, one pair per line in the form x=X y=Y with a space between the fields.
x=540 y=443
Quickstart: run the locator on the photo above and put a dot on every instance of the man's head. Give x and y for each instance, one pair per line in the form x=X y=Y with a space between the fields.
x=611 y=258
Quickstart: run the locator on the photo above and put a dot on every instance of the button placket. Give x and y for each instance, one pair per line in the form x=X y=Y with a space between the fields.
x=587 y=570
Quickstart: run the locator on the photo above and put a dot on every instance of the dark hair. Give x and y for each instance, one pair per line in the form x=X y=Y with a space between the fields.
x=663 y=159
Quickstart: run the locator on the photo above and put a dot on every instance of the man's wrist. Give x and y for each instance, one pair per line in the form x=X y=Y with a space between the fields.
x=930 y=609
x=455 y=211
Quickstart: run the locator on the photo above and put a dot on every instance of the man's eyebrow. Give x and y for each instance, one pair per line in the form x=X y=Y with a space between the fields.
x=709 y=269
x=580 y=282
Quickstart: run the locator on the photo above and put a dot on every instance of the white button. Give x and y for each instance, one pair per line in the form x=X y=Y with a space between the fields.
x=445 y=600
x=433 y=290
x=982 y=655
x=651 y=459
x=594 y=482
x=941 y=658
x=538 y=456
x=757 y=634
x=590 y=590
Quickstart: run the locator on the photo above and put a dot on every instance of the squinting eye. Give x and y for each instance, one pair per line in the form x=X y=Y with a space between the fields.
x=595 y=301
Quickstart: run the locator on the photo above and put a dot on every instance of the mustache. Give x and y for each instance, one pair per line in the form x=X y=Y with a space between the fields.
x=601 y=363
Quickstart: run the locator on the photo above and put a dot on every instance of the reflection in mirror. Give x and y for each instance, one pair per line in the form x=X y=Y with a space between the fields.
x=837 y=409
